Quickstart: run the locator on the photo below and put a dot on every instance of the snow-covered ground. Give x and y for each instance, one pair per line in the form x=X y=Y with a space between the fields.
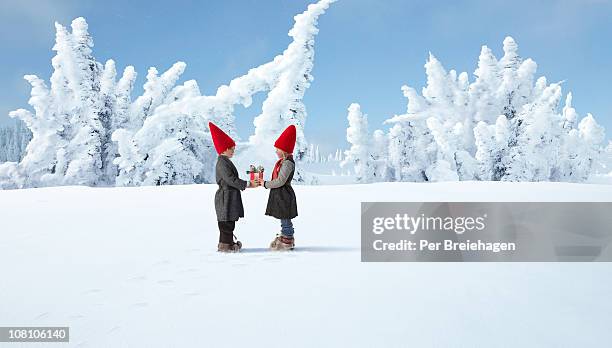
x=137 y=267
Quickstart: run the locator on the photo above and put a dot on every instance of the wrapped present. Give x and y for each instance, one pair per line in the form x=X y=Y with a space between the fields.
x=256 y=172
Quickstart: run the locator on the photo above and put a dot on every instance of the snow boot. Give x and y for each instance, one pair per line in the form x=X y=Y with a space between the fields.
x=237 y=243
x=281 y=243
x=229 y=248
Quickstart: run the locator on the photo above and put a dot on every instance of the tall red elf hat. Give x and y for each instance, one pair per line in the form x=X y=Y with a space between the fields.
x=286 y=141
x=221 y=140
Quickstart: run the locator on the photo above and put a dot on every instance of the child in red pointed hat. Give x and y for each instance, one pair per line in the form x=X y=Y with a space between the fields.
x=228 y=201
x=281 y=201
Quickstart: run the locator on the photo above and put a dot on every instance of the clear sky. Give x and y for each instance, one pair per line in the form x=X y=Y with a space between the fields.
x=365 y=50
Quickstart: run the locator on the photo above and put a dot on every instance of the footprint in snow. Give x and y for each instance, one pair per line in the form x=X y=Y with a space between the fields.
x=140 y=304
x=113 y=329
x=188 y=270
x=92 y=291
x=137 y=278
x=41 y=315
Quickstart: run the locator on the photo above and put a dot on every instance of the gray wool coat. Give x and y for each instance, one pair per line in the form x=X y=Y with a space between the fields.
x=281 y=201
x=228 y=202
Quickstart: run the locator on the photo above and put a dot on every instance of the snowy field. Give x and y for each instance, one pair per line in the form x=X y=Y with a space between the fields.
x=137 y=267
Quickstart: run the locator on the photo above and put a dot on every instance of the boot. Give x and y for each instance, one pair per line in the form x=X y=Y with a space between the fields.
x=229 y=248
x=237 y=243
x=282 y=243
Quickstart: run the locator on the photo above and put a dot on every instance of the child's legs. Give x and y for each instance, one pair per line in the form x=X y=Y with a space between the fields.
x=226 y=231
x=287 y=227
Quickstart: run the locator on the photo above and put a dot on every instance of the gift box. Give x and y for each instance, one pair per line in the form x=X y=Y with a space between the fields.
x=256 y=173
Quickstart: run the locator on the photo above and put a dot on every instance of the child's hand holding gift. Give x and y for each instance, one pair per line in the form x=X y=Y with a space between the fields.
x=256 y=174
x=254 y=183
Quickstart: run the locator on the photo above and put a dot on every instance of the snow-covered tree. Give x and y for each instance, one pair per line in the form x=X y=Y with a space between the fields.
x=293 y=68
x=338 y=155
x=14 y=137
x=45 y=152
x=68 y=128
x=410 y=151
x=83 y=153
x=379 y=152
x=582 y=150
x=452 y=162
x=534 y=151
x=311 y=154
x=491 y=144
x=119 y=98
x=359 y=154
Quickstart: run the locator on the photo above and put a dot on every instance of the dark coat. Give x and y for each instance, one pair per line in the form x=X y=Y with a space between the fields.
x=228 y=202
x=281 y=201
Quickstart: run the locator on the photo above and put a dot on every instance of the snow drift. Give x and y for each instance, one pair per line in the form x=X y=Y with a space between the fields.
x=142 y=260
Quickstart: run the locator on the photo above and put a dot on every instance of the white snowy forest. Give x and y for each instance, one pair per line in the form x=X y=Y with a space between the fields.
x=506 y=125
x=88 y=129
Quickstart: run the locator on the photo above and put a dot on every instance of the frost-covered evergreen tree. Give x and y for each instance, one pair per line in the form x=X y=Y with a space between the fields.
x=14 y=137
x=87 y=134
x=582 y=150
x=452 y=162
x=293 y=68
x=534 y=151
x=359 y=154
x=311 y=154
x=410 y=151
x=68 y=128
x=491 y=144
x=379 y=152
x=120 y=98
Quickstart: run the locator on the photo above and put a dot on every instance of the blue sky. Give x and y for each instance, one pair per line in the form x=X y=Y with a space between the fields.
x=365 y=51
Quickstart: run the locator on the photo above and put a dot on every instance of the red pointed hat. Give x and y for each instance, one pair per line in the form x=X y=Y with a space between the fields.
x=221 y=140
x=286 y=141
